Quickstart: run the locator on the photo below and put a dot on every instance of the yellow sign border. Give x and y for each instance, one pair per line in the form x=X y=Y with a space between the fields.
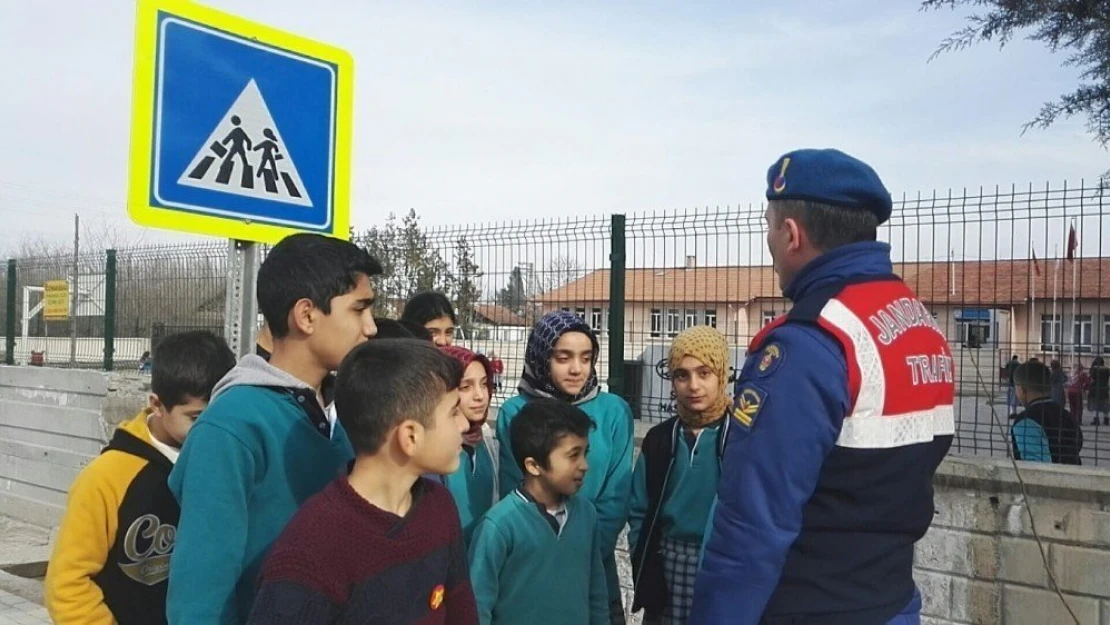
x=142 y=123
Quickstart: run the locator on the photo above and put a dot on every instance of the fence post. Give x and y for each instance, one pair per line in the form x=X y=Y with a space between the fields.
x=616 y=306
x=9 y=356
x=110 y=310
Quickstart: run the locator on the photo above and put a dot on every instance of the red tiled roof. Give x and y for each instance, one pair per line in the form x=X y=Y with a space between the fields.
x=499 y=315
x=996 y=282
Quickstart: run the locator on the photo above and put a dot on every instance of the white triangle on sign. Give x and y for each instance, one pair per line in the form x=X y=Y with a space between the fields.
x=245 y=155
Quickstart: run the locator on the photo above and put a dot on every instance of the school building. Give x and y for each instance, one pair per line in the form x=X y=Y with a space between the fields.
x=1048 y=308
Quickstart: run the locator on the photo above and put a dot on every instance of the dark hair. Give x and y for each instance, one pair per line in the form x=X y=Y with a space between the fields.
x=384 y=382
x=541 y=424
x=391 y=329
x=1034 y=377
x=1098 y=362
x=1055 y=365
x=417 y=330
x=309 y=266
x=187 y=365
x=428 y=306
x=828 y=227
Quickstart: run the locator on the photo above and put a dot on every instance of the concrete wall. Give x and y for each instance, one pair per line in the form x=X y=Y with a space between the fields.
x=51 y=425
x=980 y=564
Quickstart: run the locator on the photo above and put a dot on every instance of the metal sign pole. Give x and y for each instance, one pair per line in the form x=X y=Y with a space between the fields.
x=241 y=309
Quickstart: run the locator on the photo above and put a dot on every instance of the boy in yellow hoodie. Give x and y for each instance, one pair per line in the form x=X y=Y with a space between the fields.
x=111 y=558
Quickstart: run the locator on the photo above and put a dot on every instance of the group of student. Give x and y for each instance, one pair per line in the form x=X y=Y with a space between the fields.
x=345 y=473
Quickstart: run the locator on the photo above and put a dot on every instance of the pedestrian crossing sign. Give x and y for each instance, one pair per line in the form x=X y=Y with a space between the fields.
x=238 y=130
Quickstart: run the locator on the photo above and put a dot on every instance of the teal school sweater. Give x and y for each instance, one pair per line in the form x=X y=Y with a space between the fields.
x=523 y=572
x=691 y=489
x=472 y=487
x=608 y=483
x=250 y=461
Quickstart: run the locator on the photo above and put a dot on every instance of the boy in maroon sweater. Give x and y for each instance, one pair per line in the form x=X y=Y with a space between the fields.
x=382 y=545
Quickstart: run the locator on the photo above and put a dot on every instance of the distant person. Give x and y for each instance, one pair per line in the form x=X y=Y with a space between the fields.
x=381 y=544
x=535 y=558
x=434 y=312
x=113 y=548
x=1059 y=381
x=561 y=363
x=1098 y=397
x=1011 y=398
x=1044 y=431
x=266 y=443
x=1078 y=382
x=498 y=369
x=144 y=362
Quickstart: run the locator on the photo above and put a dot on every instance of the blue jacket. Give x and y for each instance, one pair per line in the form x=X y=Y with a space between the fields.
x=783 y=477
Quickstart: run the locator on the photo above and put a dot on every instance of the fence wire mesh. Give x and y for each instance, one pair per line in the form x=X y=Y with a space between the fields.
x=1005 y=271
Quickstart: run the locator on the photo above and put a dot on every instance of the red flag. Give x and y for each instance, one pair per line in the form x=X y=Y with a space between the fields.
x=1036 y=265
x=1073 y=242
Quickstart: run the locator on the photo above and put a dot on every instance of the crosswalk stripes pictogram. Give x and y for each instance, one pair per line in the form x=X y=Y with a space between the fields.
x=245 y=155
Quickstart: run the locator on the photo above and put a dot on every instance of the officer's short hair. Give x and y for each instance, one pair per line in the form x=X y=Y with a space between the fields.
x=1034 y=377
x=828 y=226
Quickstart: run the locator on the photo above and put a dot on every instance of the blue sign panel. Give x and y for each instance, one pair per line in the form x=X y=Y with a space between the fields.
x=243 y=129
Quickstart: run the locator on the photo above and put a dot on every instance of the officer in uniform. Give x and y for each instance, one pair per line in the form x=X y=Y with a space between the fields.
x=842 y=413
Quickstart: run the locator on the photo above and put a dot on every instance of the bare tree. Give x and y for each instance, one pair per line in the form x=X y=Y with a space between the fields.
x=560 y=271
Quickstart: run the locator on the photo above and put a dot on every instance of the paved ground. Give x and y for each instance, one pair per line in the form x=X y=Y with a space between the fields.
x=15 y=610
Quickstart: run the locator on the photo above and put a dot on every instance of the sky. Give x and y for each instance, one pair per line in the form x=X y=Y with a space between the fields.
x=492 y=111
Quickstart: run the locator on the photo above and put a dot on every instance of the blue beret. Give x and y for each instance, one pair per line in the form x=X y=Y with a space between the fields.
x=829 y=177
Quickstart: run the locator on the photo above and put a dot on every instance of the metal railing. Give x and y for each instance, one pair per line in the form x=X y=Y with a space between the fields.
x=640 y=278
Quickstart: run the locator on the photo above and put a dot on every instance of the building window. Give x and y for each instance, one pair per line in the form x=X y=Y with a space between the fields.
x=672 y=322
x=768 y=317
x=656 y=322
x=1106 y=334
x=711 y=318
x=580 y=313
x=565 y=309
x=595 y=320
x=691 y=317
x=1052 y=333
x=1082 y=332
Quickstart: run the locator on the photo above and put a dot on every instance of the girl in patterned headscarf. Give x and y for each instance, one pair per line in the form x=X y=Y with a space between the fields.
x=561 y=363
x=474 y=484
x=676 y=478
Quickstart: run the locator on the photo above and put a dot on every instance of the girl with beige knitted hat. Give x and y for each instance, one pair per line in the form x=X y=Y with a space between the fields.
x=676 y=475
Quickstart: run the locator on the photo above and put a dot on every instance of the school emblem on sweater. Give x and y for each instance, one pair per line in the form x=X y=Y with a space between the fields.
x=436 y=599
x=148 y=545
x=746 y=406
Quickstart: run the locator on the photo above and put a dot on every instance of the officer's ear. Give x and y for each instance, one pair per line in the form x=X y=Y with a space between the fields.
x=795 y=234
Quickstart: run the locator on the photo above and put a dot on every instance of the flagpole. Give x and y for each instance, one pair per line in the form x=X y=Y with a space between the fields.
x=1073 y=245
x=1032 y=295
x=1055 y=283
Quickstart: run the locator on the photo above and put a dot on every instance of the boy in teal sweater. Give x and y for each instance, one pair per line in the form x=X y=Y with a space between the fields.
x=473 y=484
x=535 y=557
x=266 y=443
x=560 y=363
x=675 y=482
